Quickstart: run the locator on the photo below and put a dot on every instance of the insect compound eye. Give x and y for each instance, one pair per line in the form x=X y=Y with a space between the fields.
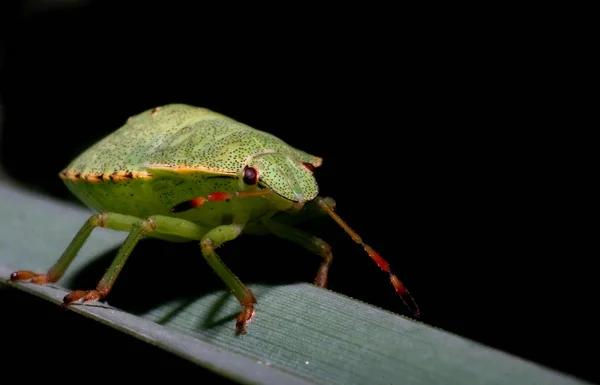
x=250 y=175
x=309 y=166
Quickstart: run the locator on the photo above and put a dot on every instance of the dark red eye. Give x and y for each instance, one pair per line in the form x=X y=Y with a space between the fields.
x=309 y=166
x=250 y=176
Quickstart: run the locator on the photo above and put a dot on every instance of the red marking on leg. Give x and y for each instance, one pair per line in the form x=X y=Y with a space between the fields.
x=40 y=279
x=219 y=196
x=321 y=279
x=103 y=288
x=86 y=295
x=248 y=301
x=73 y=297
x=323 y=272
x=92 y=295
x=53 y=275
x=382 y=263
x=244 y=319
x=22 y=275
x=35 y=278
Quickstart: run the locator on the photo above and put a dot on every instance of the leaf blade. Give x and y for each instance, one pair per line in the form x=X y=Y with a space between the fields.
x=300 y=334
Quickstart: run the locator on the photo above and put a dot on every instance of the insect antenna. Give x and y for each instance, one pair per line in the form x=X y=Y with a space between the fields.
x=408 y=300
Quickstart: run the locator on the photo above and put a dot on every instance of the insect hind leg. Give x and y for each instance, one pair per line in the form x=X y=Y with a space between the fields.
x=309 y=242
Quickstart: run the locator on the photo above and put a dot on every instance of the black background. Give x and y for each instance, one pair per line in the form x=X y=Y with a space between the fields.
x=433 y=141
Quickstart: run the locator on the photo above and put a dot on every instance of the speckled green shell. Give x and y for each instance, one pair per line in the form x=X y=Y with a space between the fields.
x=165 y=155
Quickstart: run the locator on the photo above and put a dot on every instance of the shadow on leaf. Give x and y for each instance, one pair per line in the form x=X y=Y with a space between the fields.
x=158 y=272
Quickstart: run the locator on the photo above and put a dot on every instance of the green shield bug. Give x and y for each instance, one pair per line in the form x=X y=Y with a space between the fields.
x=183 y=173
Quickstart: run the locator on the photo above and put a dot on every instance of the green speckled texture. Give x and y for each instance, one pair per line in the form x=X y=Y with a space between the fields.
x=219 y=147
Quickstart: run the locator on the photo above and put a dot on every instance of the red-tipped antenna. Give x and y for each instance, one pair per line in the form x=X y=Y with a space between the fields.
x=382 y=263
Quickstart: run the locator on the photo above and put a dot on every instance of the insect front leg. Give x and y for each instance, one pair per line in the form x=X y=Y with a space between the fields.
x=107 y=220
x=159 y=224
x=311 y=243
x=213 y=239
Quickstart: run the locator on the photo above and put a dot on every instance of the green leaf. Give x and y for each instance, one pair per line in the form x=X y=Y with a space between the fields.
x=301 y=334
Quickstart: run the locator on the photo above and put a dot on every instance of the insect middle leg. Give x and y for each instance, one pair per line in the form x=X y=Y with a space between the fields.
x=213 y=239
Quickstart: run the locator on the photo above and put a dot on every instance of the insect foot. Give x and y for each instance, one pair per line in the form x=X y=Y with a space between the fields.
x=244 y=319
x=35 y=278
x=86 y=295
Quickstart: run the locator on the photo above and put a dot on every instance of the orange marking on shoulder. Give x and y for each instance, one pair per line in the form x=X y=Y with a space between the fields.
x=93 y=177
x=119 y=176
x=181 y=168
x=70 y=174
x=144 y=175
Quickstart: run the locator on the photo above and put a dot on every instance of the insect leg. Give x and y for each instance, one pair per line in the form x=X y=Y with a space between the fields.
x=160 y=224
x=213 y=239
x=108 y=220
x=311 y=243
x=378 y=259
